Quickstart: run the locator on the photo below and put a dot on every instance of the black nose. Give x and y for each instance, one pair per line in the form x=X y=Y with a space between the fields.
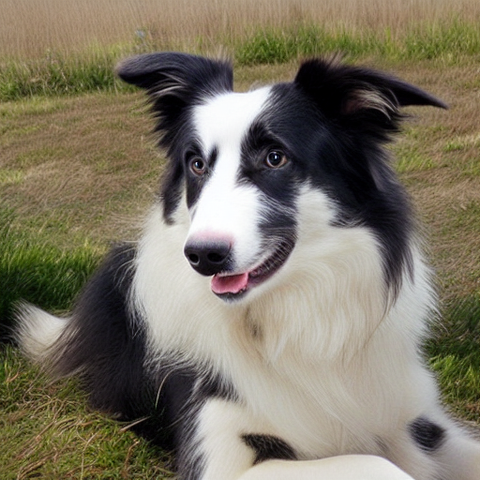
x=208 y=258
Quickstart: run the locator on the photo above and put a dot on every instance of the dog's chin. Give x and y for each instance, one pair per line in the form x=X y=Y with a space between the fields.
x=232 y=287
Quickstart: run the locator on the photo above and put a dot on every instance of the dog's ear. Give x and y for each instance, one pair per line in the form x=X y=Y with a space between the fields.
x=175 y=81
x=358 y=97
x=166 y=73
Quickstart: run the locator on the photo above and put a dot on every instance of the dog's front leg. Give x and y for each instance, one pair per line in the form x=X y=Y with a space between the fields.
x=346 y=467
x=231 y=446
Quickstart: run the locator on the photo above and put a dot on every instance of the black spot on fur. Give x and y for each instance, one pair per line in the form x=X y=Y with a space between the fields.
x=428 y=435
x=267 y=447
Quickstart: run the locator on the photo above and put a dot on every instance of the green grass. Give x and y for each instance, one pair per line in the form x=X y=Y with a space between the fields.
x=277 y=46
x=39 y=273
x=447 y=41
x=455 y=358
x=450 y=41
x=57 y=74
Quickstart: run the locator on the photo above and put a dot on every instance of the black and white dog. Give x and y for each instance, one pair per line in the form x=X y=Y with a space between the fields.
x=268 y=324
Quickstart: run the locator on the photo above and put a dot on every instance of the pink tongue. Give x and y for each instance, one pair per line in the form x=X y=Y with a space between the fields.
x=229 y=283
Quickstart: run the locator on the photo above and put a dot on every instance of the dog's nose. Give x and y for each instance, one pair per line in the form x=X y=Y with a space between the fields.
x=209 y=257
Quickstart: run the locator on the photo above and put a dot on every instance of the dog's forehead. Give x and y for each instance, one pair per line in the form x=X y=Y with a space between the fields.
x=223 y=120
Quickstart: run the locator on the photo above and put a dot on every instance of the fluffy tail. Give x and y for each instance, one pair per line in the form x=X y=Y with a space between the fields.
x=37 y=331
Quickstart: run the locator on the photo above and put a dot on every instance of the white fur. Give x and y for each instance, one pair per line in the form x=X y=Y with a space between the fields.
x=221 y=124
x=297 y=342
x=38 y=331
x=219 y=431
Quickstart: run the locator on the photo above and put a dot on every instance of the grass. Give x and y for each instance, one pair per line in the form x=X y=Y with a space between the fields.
x=454 y=356
x=58 y=74
x=51 y=433
x=447 y=40
x=41 y=273
x=63 y=54
x=70 y=163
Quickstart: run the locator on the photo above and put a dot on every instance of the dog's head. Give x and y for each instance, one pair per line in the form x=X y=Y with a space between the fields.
x=242 y=161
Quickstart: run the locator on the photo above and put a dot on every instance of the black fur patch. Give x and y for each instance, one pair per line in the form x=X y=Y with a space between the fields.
x=428 y=435
x=105 y=344
x=267 y=447
x=354 y=168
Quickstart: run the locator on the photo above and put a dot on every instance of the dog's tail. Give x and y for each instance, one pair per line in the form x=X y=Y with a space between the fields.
x=37 y=332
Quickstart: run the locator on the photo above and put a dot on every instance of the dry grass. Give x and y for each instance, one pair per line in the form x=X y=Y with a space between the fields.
x=32 y=28
x=52 y=434
x=439 y=162
x=67 y=162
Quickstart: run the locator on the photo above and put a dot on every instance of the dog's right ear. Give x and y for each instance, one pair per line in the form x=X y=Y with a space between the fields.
x=175 y=82
x=166 y=72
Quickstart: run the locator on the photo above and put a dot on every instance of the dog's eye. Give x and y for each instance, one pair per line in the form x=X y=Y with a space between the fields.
x=197 y=166
x=276 y=159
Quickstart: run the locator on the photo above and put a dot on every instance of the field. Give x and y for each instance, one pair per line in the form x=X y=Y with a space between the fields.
x=79 y=168
x=33 y=28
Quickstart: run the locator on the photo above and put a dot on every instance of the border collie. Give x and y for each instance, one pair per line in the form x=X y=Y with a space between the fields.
x=268 y=323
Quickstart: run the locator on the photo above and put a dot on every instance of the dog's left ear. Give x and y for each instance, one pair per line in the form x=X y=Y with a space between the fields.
x=358 y=97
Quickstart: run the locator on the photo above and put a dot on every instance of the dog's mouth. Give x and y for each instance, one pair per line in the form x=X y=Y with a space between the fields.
x=232 y=286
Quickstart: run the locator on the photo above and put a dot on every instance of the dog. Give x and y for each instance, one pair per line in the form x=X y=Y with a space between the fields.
x=268 y=323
